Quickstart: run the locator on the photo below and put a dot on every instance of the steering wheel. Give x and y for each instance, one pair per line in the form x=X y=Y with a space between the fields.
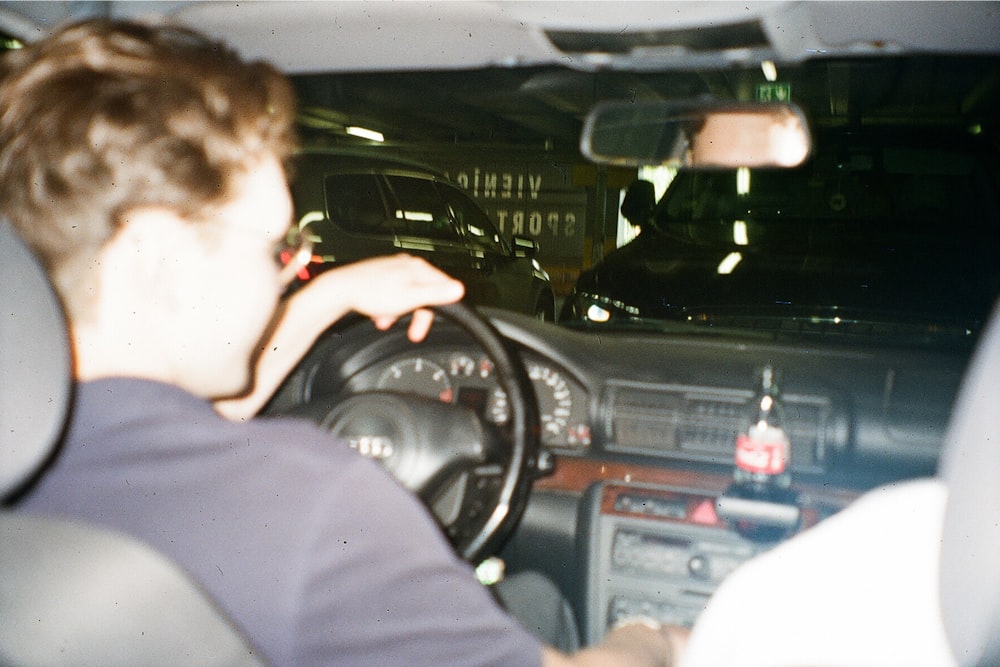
x=472 y=475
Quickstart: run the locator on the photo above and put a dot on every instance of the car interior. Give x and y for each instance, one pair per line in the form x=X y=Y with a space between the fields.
x=601 y=458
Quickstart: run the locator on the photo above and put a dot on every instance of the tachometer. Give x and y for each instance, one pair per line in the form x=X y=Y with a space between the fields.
x=555 y=408
x=419 y=376
x=556 y=404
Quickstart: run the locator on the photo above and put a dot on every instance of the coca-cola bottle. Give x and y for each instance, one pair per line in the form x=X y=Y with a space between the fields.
x=763 y=450
x=760 y=503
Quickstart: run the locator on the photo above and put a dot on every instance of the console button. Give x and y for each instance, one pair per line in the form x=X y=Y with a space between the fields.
x=699 y=567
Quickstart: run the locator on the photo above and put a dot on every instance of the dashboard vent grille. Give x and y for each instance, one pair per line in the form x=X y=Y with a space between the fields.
x=701 y=423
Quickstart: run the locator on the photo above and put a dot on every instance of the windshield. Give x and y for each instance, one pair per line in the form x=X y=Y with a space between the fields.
x=887 y=233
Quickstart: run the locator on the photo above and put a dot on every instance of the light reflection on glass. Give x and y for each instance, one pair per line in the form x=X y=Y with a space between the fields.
x=742 y=181
x=770 y=70
x=419 y=216
x=365 y=133
x=729 y=263
x=740 y=236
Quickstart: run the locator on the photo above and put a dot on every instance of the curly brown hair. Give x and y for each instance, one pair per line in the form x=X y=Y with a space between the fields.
x=103 y=117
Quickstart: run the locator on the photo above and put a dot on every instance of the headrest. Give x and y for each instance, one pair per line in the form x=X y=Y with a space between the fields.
x=34 y=363
x=970 y=550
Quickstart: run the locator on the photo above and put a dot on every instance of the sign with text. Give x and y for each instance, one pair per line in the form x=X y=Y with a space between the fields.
x=774 y=92
x=529 y=198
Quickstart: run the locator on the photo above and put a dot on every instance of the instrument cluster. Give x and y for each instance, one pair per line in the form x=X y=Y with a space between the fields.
x=467 y=378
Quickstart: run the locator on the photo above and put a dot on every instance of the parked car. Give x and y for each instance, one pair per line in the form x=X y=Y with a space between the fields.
x=890 y=233
x=356 y=205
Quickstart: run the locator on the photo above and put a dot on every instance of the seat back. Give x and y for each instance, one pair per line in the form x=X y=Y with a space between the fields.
x=34 y=364
x=74 y=594
x=78 y=595
x=970 y=546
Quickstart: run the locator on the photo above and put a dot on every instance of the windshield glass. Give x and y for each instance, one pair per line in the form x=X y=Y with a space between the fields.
x=888 y=233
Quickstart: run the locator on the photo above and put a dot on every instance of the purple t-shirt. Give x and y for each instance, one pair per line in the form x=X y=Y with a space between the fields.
x=314 y=551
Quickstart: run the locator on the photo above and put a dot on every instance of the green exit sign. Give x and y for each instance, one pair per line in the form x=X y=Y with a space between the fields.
x=774 y=92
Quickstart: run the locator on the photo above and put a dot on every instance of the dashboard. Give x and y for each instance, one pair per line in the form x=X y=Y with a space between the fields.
x=641 y=427
x=464 y=376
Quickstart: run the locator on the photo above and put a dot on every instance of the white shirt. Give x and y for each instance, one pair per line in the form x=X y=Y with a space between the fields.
x=861 y=588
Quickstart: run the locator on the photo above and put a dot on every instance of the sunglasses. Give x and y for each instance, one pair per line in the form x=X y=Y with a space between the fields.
x=293 y=254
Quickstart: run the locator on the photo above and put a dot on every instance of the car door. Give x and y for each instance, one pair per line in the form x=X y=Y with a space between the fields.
x=423 y=226
x=499 y=279
x=356 y=223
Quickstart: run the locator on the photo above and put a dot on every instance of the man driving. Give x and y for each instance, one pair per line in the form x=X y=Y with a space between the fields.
x=145 y=166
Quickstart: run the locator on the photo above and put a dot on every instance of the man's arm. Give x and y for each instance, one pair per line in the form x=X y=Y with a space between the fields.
x=846 y=592
x=630 y=645
x=383 y=288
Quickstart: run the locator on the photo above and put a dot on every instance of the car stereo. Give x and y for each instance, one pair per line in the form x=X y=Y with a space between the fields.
x=655 y=551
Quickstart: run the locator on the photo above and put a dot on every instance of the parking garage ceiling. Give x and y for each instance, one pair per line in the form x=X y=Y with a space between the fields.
x=544 y=107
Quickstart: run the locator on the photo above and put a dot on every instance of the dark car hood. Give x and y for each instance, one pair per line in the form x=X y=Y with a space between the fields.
x=859 y=277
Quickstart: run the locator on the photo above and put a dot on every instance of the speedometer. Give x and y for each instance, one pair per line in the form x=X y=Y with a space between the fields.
x=417 y=376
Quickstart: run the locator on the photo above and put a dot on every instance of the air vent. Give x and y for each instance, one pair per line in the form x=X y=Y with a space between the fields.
x=701 y=423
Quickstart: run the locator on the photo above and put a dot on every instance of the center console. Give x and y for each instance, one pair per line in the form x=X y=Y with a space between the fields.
x=655 y=551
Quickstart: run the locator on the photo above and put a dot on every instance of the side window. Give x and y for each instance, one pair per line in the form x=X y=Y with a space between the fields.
x=474 y=224
x=419 y=209
x=354 y=202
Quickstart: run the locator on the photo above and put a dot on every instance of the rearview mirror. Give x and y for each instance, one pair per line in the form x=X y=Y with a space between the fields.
x=696 y=133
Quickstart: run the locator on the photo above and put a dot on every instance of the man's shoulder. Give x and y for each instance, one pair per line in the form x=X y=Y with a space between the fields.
x=118 y=417
x=863 y=572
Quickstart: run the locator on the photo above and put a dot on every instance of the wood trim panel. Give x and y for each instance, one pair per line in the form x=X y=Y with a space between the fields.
x=574 y=475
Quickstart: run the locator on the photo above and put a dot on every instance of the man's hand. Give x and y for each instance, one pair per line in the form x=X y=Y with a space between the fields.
x=631 y=645
x=386 y=288
x=383 y=288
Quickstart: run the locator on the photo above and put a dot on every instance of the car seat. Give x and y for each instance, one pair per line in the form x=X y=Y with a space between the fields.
x=970 y=542
x=75 y=594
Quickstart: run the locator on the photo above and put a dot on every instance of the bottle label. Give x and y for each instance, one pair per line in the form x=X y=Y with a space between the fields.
x=763 y=451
